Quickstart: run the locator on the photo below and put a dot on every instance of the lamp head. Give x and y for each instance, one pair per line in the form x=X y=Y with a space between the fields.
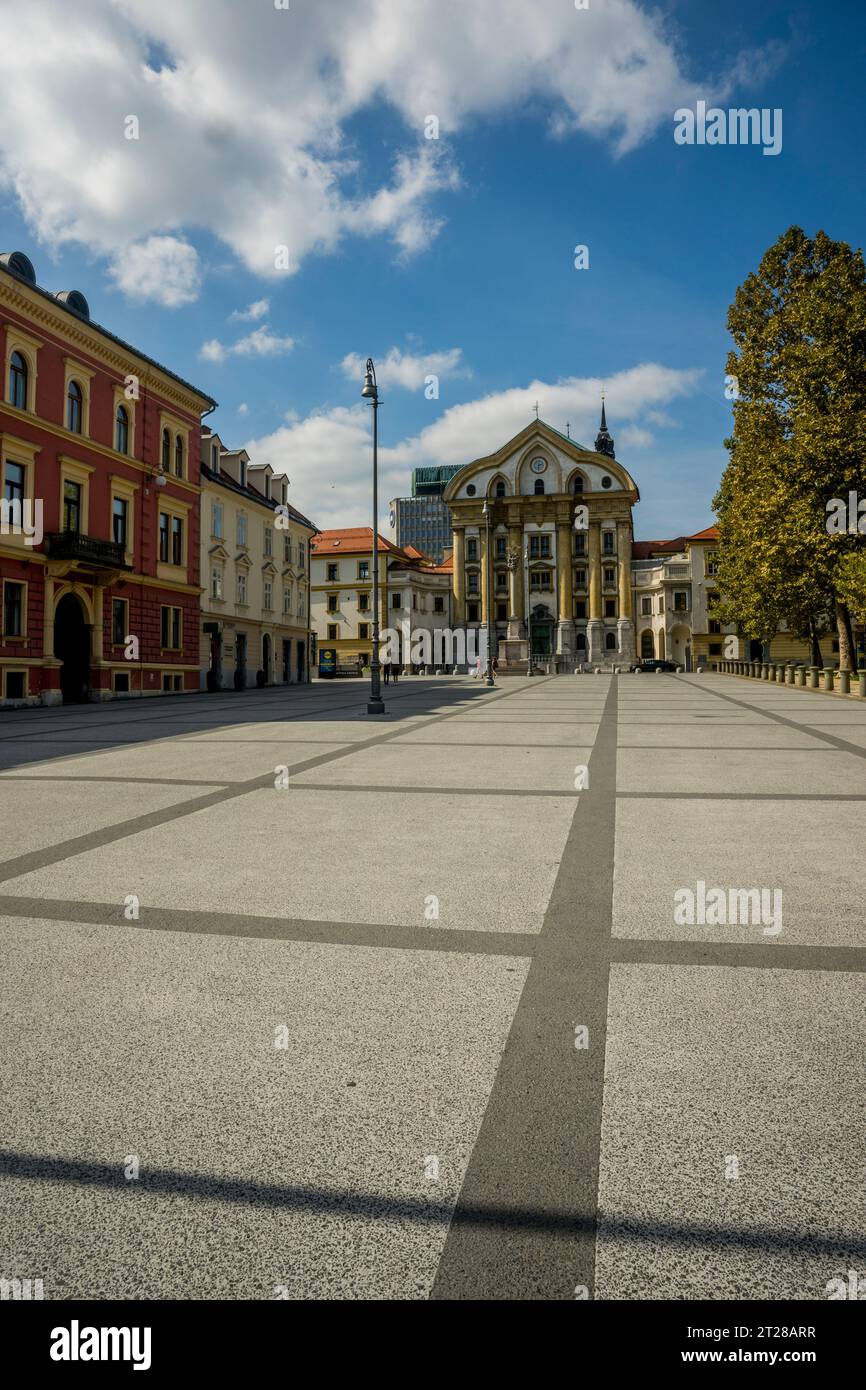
x=370 y=389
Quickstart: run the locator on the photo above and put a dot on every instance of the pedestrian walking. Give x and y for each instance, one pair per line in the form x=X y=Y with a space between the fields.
x=395 y=671
x=386 y=671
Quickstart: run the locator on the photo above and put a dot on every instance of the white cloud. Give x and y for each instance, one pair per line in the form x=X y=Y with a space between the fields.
x=243 y=408
x=406 y=369
x=328 y=453
x=162 y=268
x=634 y=437
x=243 y=126
x=252 y=313
x=260 y=343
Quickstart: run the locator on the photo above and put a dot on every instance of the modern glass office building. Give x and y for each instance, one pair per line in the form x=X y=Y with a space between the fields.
x=423 y=520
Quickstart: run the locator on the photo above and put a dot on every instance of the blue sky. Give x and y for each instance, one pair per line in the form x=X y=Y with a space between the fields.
x=260 y=129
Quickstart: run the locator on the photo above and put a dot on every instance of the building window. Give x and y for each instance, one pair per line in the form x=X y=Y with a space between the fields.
x=216 y=515
x=119 y=520
x=715 y=626
x=287 y=550
x=712 y=565
x=363 y=569
x=539 y=487
x=610 y=608
x=472 y=548
x=580 y=608
x=577 y=485
x=715 y=649
x=646 y=607
x=501 y=547
x=242 y=588
x=502 y=579
x=71 y=506
x=118 y=621
x=332 y=603
x=332 y=574
x=216 y=583
x=580 y=543
x=14 y=489
x=171 y=682
x=121 y=430
x=541 y=580
x=364 y=631
x=396 y=601
x=178 y=456
x=333 y=632
x=580 y=578
x=269 y=594
x=681 y=602
x=610 y=641
x=170 y=628
x=287 y=600
x=166 y=451
x=120 y=682
x=472 y=583
x=609 y=574
x=13 y=609
x=16 y=685
x=539 y=547
x=301 y=554
x=500 y=489
x=163 y=537
x=215 y=458
x=472 y=610
x=501 y=613
x=364 y=603
x=607 y=542
x=269 y=540
x=74 y=402
x=18 y=381
x=438 y=604
x=243 y=473
x=606 y=481
x=242 y=529
x=176 y=541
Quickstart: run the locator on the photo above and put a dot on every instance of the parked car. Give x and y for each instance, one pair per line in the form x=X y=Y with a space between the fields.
x=651 y=665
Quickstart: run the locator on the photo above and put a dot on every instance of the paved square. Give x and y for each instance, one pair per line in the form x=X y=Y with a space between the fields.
x=424 y=1022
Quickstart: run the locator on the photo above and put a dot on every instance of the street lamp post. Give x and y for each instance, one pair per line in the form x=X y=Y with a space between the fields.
x=490 y=681
x=370 y=391
x=528 y=615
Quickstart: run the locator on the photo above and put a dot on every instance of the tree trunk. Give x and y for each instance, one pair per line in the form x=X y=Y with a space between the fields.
x=815 y=643
x=849 y=628
x=846 y=645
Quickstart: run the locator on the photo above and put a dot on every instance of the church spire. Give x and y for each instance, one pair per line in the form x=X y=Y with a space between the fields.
x=603 y=440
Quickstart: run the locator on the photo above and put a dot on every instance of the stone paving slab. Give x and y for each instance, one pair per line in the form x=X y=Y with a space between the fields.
x=359 y=857
x=736 y=771
x=35 y=816
x=216 y=762
x=663 y=846
x=137 y=1045
x=482 y=769
x=708 y=1065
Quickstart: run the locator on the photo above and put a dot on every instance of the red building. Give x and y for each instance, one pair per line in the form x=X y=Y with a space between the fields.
x=100 y=452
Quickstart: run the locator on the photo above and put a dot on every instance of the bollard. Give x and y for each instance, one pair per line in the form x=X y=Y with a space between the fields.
x=780 y=673
x=862 y=683
x=789 y=673
x=800 y=677
x=828 y=677
x=814 y=672
x=765 y=670
x=844 y=682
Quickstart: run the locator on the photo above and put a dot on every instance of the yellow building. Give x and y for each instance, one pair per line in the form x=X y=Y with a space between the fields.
x=255 y=557
x=542 y=549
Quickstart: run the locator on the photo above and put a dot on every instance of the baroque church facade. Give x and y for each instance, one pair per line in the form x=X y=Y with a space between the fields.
x=542 y=533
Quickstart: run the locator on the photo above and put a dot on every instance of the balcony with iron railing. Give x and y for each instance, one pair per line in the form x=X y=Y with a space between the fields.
x=87 y=550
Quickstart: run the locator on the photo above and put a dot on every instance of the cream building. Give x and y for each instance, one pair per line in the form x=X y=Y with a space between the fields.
x=414 y=592
x=255 y=556
x=542 y=546
x=674 y=591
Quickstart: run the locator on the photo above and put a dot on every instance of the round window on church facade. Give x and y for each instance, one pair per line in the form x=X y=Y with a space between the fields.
x=607 y=481
x=470 y=490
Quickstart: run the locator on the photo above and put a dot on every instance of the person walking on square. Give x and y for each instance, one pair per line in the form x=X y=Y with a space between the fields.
x=395 y=671
x=386 y=671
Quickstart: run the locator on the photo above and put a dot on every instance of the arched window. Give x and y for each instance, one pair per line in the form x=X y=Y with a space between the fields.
x=73 y=407
x=18 y=381
x=610 y=641
x=580 y=642
x=166 y=451
x=539 y=486
x=499 y=491
x=121 y=430
x=578 y=483
x=178 y=457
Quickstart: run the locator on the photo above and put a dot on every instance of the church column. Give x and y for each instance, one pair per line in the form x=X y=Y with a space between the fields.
x=458 y=580
x=485 y=574
x=594 y=628
x=625 y=627
x=516 y=582
x=565 y=624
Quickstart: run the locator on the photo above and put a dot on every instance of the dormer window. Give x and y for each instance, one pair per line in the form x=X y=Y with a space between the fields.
x=284 y=493
x=268 y=486
x=215 y=458
x=243 y=473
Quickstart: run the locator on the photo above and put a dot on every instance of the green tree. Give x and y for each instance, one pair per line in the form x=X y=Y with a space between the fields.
x=799 y=359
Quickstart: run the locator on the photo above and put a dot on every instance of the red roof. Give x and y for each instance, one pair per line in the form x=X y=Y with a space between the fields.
x=709 y=533
x=350 y=540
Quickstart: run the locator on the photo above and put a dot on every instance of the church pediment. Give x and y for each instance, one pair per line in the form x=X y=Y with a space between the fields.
x=540 y=460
